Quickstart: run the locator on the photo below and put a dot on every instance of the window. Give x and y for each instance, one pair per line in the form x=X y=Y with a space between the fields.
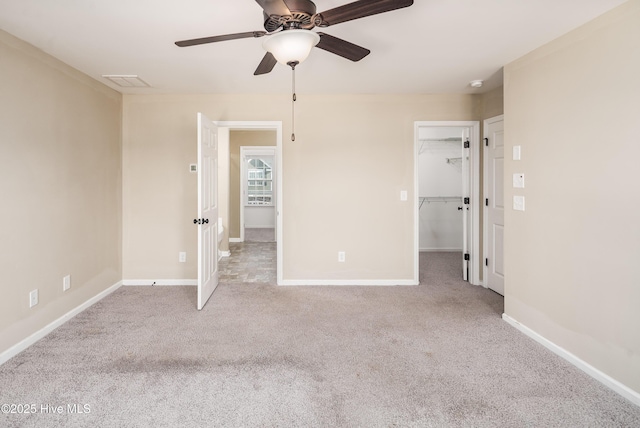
x=259 y=182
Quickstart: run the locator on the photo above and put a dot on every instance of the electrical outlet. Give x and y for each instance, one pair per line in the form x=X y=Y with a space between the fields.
x=182 y=257
x=341 y=256
x=66 y=283
x=33 y=298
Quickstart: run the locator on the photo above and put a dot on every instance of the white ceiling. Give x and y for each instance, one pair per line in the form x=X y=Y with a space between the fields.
x=434 y=46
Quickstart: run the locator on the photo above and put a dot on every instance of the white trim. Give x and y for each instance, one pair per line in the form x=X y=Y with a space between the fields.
x=348 y=282
x=474 y=173
x=224 y=253
x=601 y=377
x=277 y=126
x=158 y=282
x=24 y=344
x=485 y=192
x=236 y=240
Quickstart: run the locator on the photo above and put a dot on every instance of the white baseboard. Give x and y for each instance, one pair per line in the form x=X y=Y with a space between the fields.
x=159 y=282
x=443 y=250
x=224 y=253
x=24 y=344
x=348 y=282
x=235 y=240
x=603 y=378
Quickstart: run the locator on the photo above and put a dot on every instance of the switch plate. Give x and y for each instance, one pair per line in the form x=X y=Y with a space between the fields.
x=66 y=283
x=33 y=298
x=518 y=180
x=182 y=257
x=342 y=256
x=518 y=203
x=516 y=152
x=403 y=195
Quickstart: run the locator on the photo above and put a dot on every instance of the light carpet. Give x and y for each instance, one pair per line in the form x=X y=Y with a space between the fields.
x=259 y=355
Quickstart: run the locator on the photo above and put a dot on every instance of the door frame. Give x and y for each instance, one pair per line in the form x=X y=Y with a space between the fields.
x=474 y=193
x=235 y=125
x=254 y=150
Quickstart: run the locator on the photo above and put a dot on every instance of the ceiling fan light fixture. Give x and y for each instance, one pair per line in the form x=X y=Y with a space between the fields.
x=290 y=46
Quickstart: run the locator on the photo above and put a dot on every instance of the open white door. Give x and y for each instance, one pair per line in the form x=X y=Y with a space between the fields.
x=494 y=204
x=207 y=220
x=466 y=198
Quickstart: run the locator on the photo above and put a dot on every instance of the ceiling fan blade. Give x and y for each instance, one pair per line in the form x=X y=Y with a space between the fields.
x=193 y=42
x=360 y=9
x=266 y=65
x=342 y=47
x=274 y=7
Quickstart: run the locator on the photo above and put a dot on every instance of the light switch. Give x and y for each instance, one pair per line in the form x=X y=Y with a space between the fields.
x=518 y=203
x=518 y=180
x=403 y=195
x=516 y=152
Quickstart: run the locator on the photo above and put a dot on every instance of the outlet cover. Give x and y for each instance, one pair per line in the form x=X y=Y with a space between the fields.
x=66 y=283
x=342 y=256
x=182 y=257
x=33 y=298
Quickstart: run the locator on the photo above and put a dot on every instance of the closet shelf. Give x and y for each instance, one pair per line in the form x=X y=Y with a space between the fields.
x=445 y=199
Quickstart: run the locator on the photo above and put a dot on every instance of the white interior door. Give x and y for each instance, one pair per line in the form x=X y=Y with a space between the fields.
x=207 y=209
x=466 y=198
x=494 y=204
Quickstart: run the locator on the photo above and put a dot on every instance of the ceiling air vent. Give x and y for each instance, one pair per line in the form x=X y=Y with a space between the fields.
x=127 y=80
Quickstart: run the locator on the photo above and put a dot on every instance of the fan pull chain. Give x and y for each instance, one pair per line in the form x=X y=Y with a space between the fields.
x=293 y=64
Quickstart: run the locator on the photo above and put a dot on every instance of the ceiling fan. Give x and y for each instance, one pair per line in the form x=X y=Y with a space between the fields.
x=300 y=17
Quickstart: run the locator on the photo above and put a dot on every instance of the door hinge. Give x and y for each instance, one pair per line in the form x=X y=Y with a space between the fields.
x=486 y=202
x=486 y=142
x=467 y=144
x=486 y=262
x=466 y=201
x=467 y=256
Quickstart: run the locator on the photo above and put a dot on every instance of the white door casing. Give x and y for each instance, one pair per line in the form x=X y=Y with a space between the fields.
x=494 y=204
x=466 y=195
x=207 y=220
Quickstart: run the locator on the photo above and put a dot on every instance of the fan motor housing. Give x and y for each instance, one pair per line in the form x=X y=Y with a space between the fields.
x=302 y=12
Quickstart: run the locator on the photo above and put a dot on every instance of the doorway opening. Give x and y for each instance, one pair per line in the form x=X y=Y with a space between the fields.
x=232 y=186
x=447 y=208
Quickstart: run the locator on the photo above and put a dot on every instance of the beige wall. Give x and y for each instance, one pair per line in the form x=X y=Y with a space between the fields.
x=237 y=140
x=492 y=103
x=343 y=175
x=571 y=258
x=60 y=181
